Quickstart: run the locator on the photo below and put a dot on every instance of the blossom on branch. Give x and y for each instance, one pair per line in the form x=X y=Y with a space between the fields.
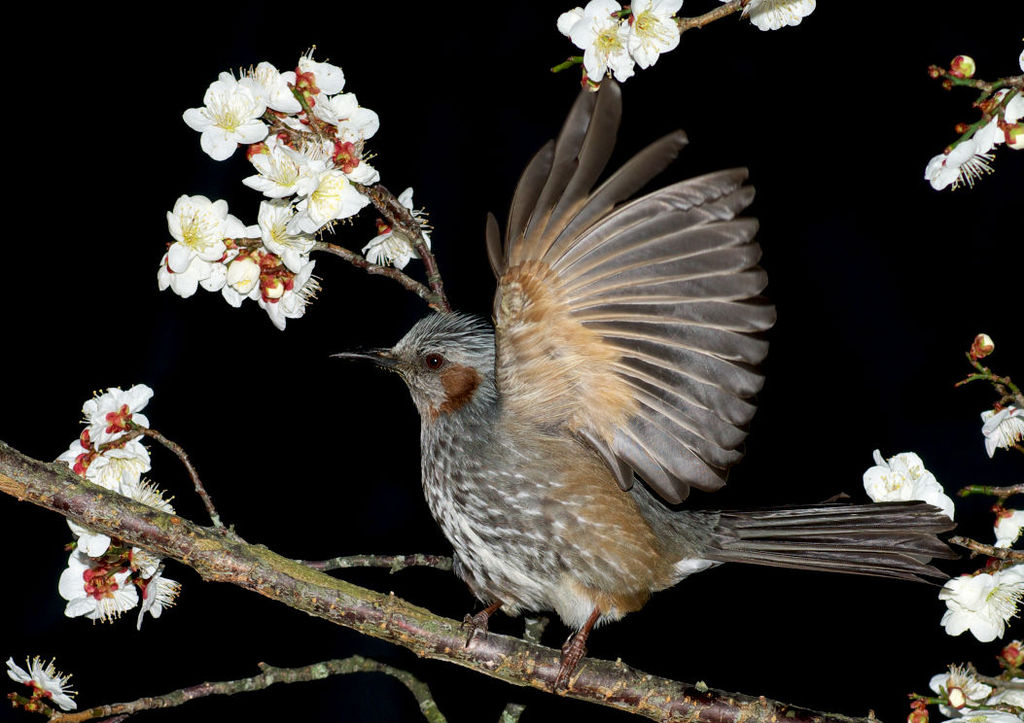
x=1002 y=429
x=110 y=414
x=597 y=30
x=273 y=89
x=904 y=477
x=274 y=219
x=775 y=14
x=982 y=603
x=158 y=592
x=281 y=171
x=960 y=688
x=333 y=197
x=199 y=227
x=1008 y=526
x=45 y=680
x=653 y=29
x=393 y=248
x=229 y=116
x=94 y=589
x=289 y=295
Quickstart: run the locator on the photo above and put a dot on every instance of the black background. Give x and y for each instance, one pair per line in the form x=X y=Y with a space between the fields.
x=880 y=283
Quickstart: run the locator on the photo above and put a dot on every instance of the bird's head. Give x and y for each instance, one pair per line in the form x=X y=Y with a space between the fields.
x=447 y=361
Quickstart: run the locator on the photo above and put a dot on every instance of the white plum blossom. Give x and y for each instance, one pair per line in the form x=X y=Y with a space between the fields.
x=229 y=116
x=332 y=197
x=960 y=687
x=354 y=123
x=389 y=247
x=1008 y=526
x=272 y=86
x=902 y=478
x=652 y=29
x=45 y=678
x=289 y=301
x=775 y=14
x=199 y=227
x=603 y=37
x=94 y=591
x=186 y=283
x=1002 y=429
x=982 y=603
x=111 y=469
x=293 y=249
x=329 y=78
x=280 y=170
x=108 y=415
x=961 y=166
x=119 y=466
x=158 y=592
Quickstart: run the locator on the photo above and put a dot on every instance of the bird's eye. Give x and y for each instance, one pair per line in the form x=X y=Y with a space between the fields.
x=433 y=361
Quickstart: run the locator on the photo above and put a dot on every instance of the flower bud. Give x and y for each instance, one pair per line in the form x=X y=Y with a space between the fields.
x=918 y=712
x=982 y=346
x=1013 y=654
x=272 y=287
x=963 y=66
x=243 y=273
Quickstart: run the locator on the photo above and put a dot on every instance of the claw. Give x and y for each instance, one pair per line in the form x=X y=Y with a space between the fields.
x=478 y=622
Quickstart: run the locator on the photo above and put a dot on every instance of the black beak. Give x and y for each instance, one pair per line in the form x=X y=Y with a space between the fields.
x=380 y=357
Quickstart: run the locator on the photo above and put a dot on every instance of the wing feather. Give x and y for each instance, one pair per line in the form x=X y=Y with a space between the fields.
x=635 y=324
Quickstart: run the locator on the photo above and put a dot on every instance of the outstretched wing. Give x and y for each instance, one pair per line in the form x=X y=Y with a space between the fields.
x=635 y=325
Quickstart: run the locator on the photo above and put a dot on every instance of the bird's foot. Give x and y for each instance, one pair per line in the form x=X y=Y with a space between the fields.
x=478 y=622
x=573 y=652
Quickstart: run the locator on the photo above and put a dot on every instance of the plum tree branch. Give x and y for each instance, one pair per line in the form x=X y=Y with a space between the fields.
x=220 y=555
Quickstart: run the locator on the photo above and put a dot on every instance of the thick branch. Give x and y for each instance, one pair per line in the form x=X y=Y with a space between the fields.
x=222 y=556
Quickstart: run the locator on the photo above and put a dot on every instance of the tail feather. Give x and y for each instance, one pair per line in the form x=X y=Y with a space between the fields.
x=883 y=539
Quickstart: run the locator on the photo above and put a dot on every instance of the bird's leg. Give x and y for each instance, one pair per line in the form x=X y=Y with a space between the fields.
x=574 y=650
x=479 y=621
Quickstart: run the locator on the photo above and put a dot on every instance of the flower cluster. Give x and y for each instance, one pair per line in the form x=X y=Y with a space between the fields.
x=46 y=682
x=967 y=159
x=105 y=577
x=904 y=477
x=614 y=39
x=306 y=141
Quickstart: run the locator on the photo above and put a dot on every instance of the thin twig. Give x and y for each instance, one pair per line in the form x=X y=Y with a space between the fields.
x=718 y=13
x=180 y=452
x=394 y=562
x=1001 y=492
x=390 y=272
x=980 y=548
x=269 y=676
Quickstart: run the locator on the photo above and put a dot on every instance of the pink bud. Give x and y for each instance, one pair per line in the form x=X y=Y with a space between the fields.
x=963 y=66
x=982 y=346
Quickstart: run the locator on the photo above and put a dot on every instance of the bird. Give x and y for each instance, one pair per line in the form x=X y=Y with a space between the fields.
x=560 y=439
